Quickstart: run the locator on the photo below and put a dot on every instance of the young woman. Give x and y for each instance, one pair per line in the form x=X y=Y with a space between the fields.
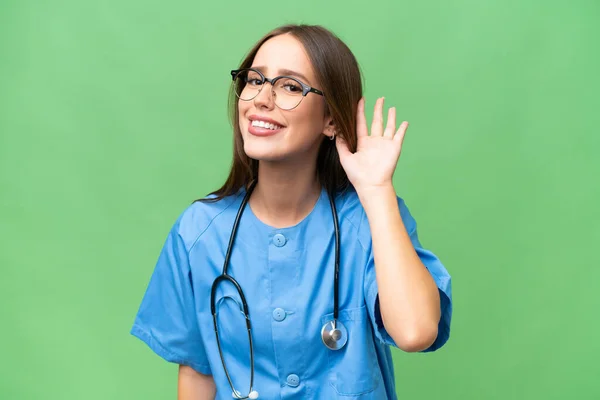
x=292 y=280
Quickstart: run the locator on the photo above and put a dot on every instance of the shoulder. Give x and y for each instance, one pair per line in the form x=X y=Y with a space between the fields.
x=199 y=216
x=349 y=208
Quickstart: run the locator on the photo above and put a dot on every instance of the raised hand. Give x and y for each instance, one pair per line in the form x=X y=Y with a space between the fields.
x=377 y=154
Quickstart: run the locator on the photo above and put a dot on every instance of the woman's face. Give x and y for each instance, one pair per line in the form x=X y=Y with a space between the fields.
x=300 y=129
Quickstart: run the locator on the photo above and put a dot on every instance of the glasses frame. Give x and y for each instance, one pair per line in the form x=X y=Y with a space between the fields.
x=306 y=89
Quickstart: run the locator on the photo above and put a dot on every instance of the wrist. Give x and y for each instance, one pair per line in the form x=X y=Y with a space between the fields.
x=375 y=195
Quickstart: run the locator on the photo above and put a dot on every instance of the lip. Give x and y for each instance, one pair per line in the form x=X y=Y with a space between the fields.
x=258 y=131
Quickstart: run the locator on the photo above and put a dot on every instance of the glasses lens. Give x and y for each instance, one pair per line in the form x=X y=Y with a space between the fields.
x=287 y=93
x=247 y=84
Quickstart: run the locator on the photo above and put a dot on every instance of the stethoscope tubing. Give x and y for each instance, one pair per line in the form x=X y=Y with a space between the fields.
x=226 y=277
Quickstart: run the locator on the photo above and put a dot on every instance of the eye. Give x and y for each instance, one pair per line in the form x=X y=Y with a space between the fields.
x=291 y=86
x=254 y=79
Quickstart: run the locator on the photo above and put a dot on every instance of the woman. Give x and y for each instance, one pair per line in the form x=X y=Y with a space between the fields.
x=304 y=162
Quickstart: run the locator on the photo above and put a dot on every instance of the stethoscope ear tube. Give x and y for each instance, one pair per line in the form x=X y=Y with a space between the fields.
x=213 y=292
x=225 y=277
x=334 y=334
x=236 y=224
x=336 y=232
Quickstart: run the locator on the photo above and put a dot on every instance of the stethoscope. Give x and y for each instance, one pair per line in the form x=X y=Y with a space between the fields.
x=333 y=333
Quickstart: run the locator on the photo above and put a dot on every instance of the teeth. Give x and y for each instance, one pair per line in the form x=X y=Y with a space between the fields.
x=263 y=124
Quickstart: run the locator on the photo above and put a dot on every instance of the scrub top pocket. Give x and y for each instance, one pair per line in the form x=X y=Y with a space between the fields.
x=353 y=369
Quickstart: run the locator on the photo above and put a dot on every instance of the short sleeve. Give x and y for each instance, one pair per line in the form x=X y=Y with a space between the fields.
x=433 y=265
x=166 y=320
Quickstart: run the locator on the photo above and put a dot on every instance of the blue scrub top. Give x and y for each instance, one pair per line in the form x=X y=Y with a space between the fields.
x=287 y=277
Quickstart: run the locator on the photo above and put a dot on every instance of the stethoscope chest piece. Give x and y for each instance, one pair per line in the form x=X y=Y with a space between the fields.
x=334 y=335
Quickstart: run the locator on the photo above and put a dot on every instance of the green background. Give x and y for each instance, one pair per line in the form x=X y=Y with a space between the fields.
x=113 y=119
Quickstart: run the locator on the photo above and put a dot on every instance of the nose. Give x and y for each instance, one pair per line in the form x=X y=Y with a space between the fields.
x=264 y=99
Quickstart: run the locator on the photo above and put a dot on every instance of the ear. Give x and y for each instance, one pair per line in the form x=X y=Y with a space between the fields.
x=329 y=129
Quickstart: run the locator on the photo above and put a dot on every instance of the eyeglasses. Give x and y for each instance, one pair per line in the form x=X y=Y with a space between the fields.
x=287 y=91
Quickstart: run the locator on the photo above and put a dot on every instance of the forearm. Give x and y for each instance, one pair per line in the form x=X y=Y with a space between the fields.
x=192 y=385
x=408 y=296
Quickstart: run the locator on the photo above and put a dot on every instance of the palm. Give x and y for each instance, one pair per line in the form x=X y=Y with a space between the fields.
x=377 y=154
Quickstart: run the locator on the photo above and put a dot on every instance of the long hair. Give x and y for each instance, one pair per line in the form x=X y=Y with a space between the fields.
x=338 y=73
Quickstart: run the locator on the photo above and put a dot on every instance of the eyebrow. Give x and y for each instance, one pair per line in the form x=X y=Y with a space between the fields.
x=285 y=72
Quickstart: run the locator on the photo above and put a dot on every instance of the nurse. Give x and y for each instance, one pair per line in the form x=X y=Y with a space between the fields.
x=308 y=177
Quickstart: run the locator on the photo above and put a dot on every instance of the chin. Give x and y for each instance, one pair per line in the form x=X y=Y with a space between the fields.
x=263 y=152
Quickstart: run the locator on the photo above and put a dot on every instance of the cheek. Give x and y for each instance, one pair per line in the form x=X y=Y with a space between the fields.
x=307 y=118
x=242 y=109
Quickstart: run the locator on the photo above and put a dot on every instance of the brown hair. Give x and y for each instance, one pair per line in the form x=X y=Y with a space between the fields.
x=339 y=76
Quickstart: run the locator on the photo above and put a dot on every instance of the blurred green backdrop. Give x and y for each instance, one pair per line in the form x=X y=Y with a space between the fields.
x=113 y=119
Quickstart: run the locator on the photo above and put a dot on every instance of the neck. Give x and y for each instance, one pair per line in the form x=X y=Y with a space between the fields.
x=285 y=192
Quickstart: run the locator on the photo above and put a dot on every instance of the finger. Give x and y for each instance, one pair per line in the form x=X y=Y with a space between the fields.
x=377 y=124
x=399 y=136
x=391 y=123
x=361 y=121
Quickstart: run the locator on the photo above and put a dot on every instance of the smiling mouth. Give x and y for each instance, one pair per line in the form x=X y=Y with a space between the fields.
x=265 y=125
